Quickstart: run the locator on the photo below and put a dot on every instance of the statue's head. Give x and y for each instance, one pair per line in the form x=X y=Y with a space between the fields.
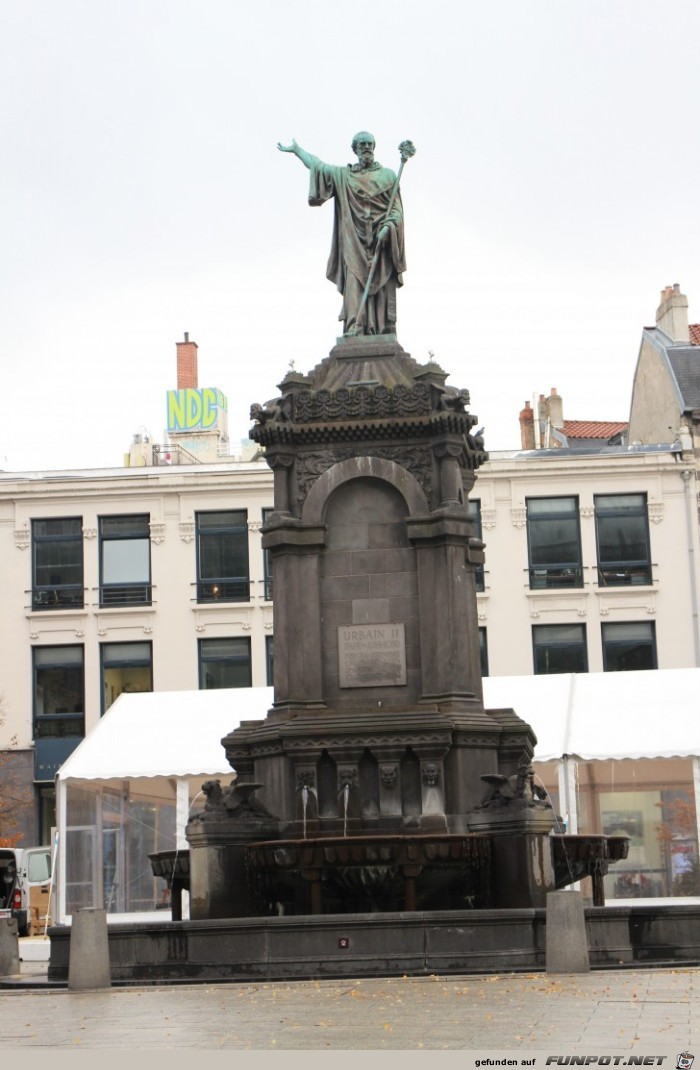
x=363 y=145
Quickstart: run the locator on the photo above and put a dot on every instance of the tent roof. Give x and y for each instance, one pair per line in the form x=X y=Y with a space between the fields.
x=588 y=715
x=165 y=733
x=646 y=714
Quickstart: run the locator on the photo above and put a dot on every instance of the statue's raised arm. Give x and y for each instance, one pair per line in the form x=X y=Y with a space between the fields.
x=367 y=256
x=306 y=158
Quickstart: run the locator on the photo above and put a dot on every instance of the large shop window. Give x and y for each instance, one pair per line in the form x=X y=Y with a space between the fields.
x=474 y=511
x=622 y=531
x=57 y=563
x=59 y=692
x=222 y=557
x=628 y=647
x=559 y=648
x=125 y=560
x=554 y=542
x=125 y=667
x=652 y=801
x=224 y=663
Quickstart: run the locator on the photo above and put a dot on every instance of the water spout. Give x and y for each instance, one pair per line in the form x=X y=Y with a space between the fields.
x=345 y=792
x=304 y=804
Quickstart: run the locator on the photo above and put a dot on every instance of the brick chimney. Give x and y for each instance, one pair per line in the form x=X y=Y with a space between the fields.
x=672 y=314
x=186 y=364
x=527 y=427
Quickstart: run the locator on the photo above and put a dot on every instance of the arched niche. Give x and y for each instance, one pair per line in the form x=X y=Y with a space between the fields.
x=368 y=468
x=369 y=581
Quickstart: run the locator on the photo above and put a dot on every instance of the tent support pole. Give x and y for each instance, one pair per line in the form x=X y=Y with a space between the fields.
x=182 y=812
x=60 y=916
x=567 y=793
x=696 y=793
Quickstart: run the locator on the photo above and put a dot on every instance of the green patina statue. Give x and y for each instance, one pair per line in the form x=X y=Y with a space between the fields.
x=367 y=255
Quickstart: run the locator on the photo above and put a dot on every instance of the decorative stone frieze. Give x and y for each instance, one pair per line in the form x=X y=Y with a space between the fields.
x=157 y=530
x=22 y=538
x=187 y=530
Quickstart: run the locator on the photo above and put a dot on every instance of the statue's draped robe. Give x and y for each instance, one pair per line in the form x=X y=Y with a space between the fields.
x=361 y=200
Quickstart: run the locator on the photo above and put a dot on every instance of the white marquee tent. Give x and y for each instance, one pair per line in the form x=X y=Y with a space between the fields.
x=174 y=738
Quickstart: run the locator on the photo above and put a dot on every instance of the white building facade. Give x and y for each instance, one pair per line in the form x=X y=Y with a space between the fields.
x=153 y=578
x=136 y=579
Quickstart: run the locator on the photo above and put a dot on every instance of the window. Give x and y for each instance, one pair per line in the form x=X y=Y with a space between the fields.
x=125 y=560
x=125 y=667
x=554 y=542
x=629 y=646
x=622 y=531
x=224 y=663
x=222 y=557
x=59 y=692
x=57 y=563
x=270 y=659
x=267 y=562
x=474 y=512
x=559 y=648
x=483 y=652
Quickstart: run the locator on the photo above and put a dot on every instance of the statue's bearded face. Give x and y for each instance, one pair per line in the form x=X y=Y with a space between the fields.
x=363 y=147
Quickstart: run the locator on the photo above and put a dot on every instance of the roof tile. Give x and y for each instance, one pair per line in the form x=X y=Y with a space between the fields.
x=593 y=428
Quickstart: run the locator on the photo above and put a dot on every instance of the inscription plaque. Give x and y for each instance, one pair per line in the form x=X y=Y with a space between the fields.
x=372 y=655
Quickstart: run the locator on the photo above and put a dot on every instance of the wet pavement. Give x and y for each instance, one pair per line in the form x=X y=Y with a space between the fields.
x=652 y=1013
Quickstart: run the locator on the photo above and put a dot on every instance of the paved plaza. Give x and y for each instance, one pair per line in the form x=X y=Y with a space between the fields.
x=602 y=1013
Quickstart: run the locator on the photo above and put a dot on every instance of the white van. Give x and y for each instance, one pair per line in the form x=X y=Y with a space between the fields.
x=23 y=870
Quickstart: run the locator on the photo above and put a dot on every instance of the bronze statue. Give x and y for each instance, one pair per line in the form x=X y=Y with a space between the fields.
x=367 y=258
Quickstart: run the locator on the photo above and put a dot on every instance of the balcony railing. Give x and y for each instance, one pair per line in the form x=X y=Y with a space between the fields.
x=551 y=576
x=126 y=594
x=229 y=589
x=59 y=725
x=58 y=596
x=625 y=574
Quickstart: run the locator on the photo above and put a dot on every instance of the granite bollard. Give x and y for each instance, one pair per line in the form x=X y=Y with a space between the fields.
x=9 y=947
x=567 y=941
x=88 y=965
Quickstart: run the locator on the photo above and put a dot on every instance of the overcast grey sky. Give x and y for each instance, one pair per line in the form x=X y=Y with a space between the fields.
x=553 y=195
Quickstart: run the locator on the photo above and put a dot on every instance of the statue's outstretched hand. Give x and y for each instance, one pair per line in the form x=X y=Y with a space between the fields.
x=287 y=148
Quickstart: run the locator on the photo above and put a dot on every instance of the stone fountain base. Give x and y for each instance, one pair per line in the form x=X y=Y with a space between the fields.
x=380 y=945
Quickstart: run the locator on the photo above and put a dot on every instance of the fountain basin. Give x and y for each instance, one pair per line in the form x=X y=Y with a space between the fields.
x=369 y=874
x=173 y=867
x=576 y=857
